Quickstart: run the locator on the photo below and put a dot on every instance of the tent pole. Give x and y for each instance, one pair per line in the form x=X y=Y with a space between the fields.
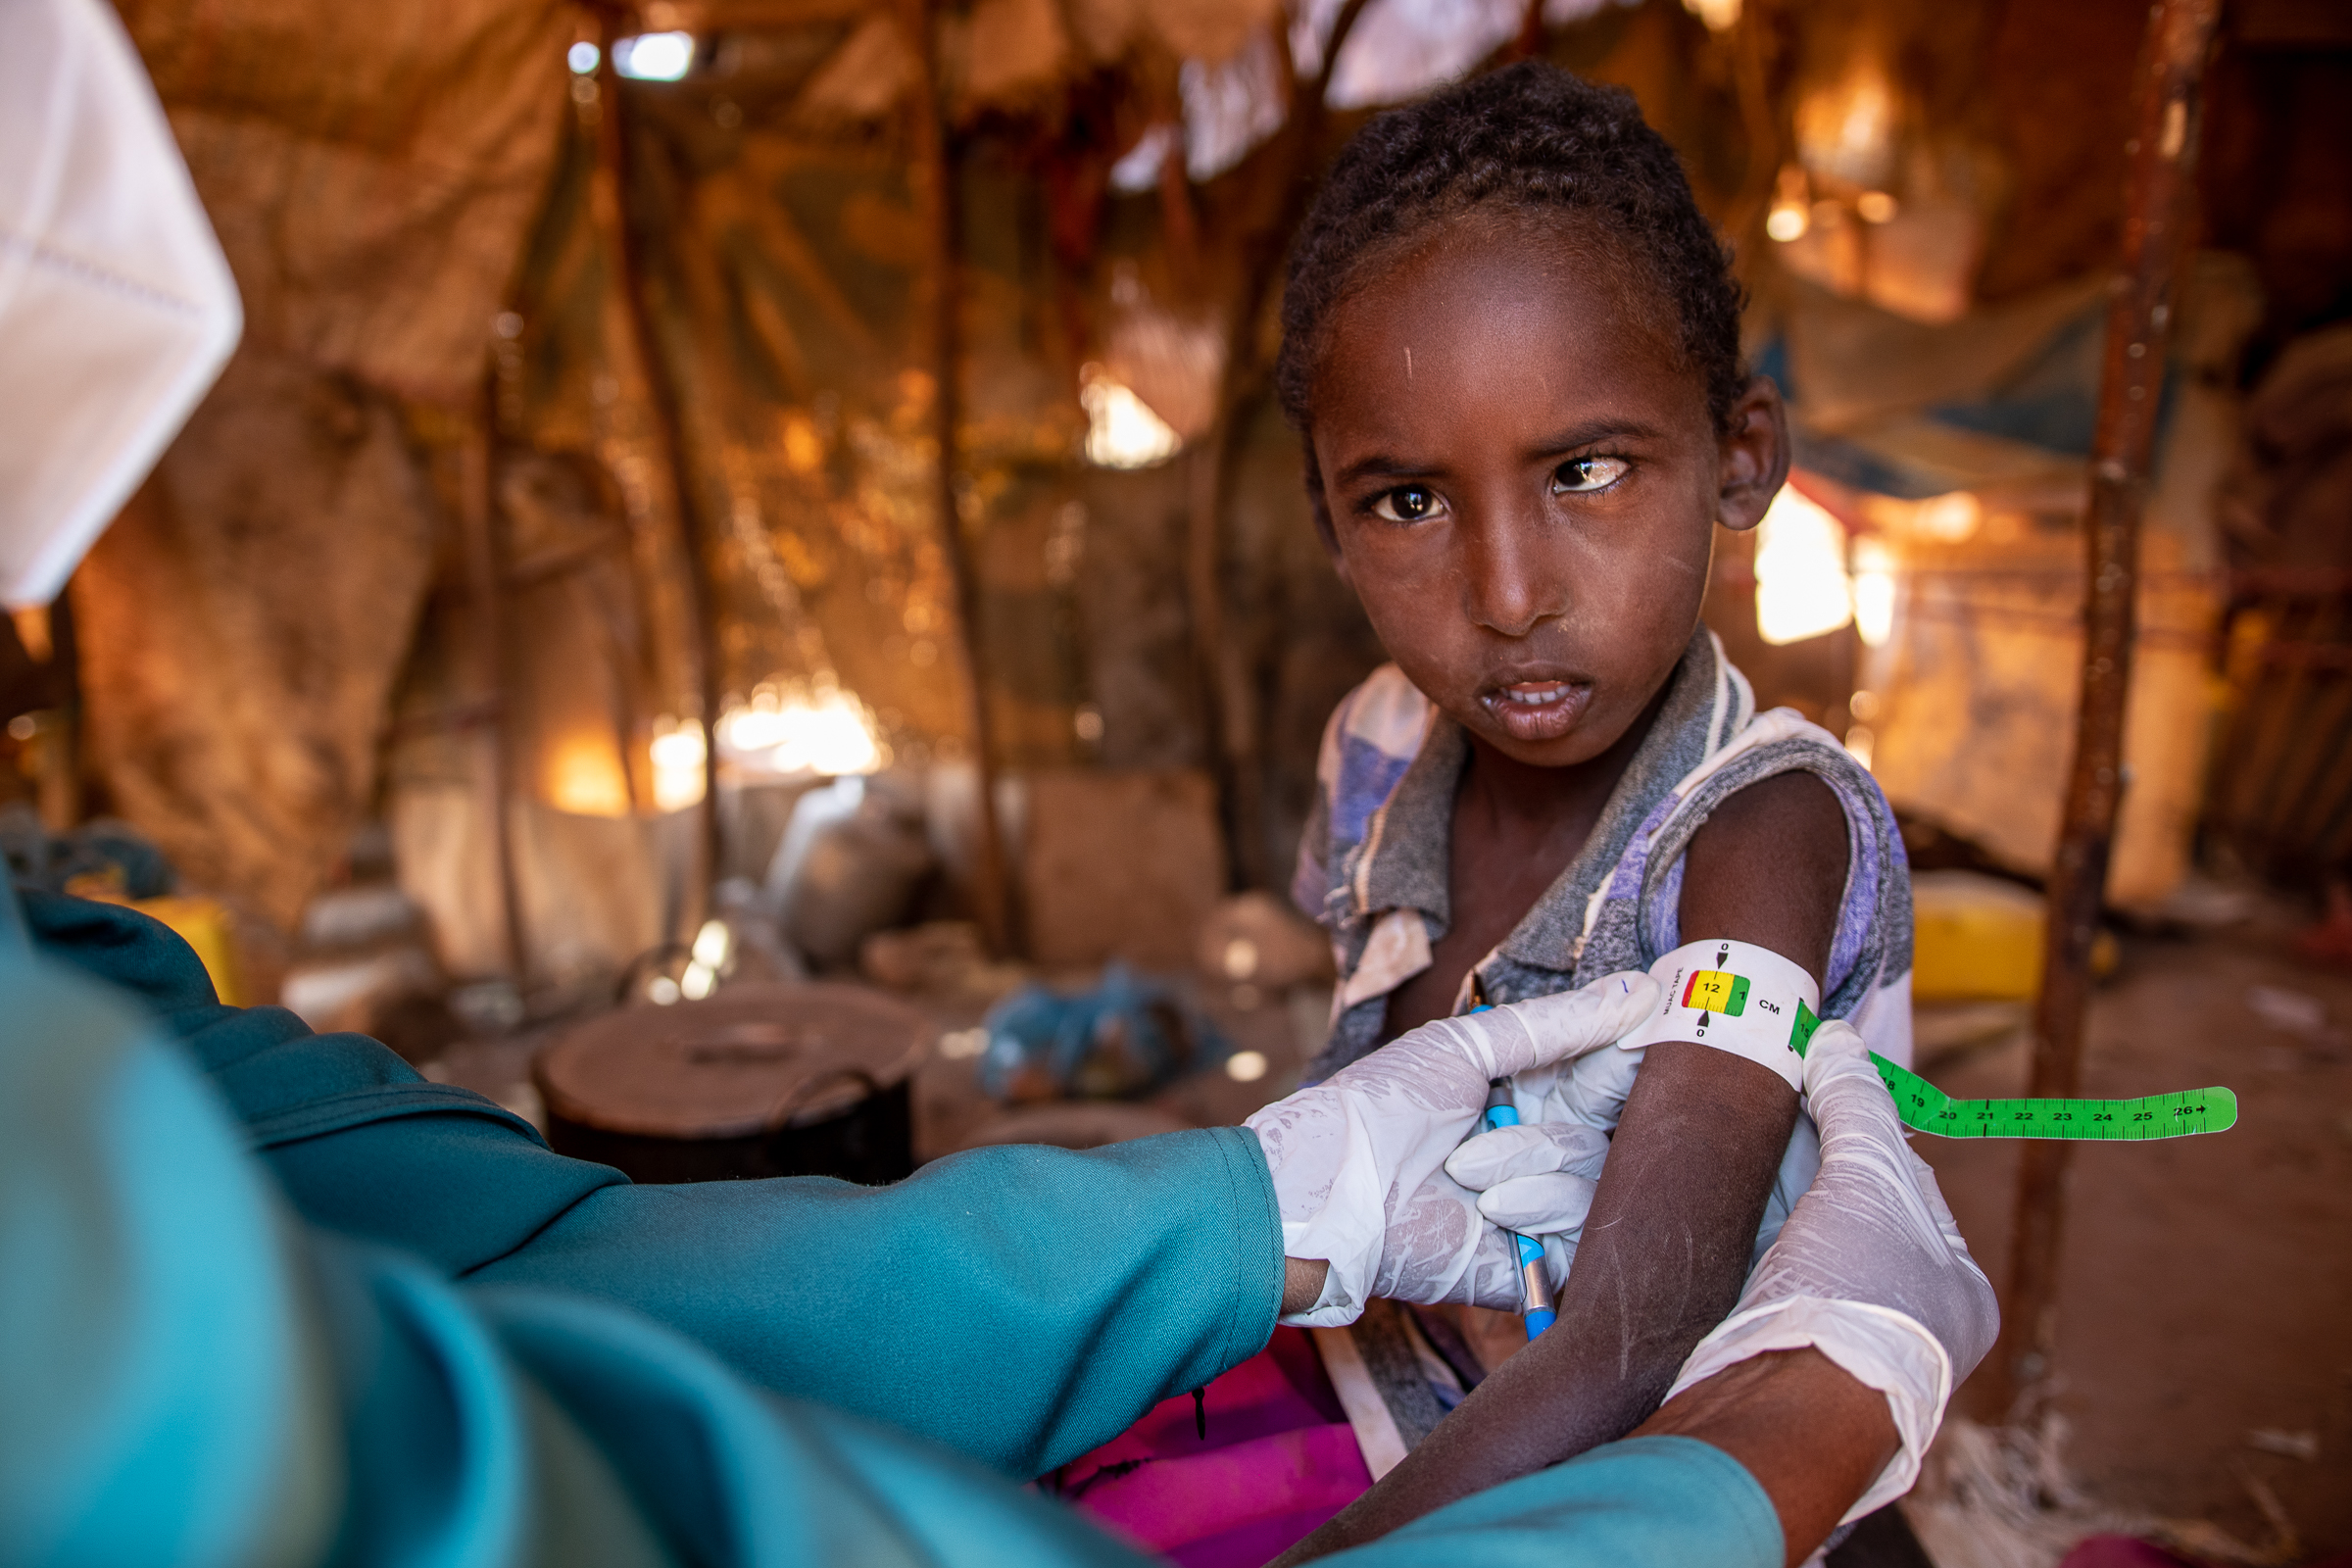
x=610 y=199
x=486 y=582
x=2157 y=197
x=935 y=173
x=1230 y=725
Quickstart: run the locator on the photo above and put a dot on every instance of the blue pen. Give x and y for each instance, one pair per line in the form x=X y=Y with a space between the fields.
x=1535 y=1288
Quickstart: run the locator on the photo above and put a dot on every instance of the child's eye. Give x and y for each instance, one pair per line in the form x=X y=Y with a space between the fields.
x=1407 y=503
x=1583 y=475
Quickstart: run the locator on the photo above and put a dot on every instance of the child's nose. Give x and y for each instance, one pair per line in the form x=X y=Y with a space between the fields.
x=1512 y=588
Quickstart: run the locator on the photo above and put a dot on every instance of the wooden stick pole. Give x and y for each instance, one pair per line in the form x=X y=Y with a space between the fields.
x=485 y=578
x=936 y=178
x=1229 y=726
x=611 y=202
x=2157 y=197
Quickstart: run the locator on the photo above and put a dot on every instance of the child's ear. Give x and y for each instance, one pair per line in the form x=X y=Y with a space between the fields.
x=1755 y=454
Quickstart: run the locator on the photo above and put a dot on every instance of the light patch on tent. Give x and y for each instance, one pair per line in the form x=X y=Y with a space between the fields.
x=794 y=733
x=653 y=56
x=1720 y=16
x=864 y=78
x=585 y=778
x=1950 y=519
x=1401 y=49
x=1174 y=364
x=677 y=753
x=1231 y=107
x=1791 y=205
x=1138 y=168
x=1801 y=586
x=1847 y=131
x=1121 y=430
x=1873 y=592
x=1397 y=50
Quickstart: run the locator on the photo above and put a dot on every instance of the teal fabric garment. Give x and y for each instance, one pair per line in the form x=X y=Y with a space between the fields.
x=1021 y=1304
x=141 y=1300
x=1641 y=1502
x=193 y=1377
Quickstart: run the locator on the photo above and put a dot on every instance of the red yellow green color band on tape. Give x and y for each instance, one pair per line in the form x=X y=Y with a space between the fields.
x=1928 y=1109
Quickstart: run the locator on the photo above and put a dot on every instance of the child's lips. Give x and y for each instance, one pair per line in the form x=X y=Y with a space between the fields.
x=1536 y=710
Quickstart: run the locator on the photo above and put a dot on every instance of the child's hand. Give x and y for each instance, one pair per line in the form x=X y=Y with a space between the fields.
x=1358 y=1161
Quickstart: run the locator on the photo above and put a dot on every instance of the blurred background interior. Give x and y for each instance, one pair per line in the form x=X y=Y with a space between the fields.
x=731 y=495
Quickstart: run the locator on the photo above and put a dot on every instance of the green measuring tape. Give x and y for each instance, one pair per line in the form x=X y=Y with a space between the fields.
x=1928 y=1109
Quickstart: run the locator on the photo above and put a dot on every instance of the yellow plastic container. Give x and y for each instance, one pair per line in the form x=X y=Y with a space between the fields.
x=1974 y=938
x=1979 y=939
x=203 y=924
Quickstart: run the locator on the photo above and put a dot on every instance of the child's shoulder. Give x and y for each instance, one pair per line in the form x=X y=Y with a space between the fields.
x=1793 y=824
x=1779 y=741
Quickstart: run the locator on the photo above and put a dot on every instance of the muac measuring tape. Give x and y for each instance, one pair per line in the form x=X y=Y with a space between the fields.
x=1927 y=1108
x=1761 y=1009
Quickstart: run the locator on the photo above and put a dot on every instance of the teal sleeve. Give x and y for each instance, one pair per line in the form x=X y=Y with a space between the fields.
x=1643 y=1502
x=1022 y=1305
x=197 y=1378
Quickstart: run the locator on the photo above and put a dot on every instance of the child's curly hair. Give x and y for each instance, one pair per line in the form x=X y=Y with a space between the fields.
x=1530 y=136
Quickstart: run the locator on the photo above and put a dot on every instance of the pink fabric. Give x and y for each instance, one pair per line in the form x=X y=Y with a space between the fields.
x=1279 y=1459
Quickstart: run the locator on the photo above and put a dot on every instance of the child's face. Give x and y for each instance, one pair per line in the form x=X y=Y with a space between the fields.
x=1523 y=479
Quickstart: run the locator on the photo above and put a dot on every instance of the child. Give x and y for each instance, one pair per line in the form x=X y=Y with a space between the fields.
x=1513 y=350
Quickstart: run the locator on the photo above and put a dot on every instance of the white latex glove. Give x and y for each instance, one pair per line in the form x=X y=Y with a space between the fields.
x=1358 y=1161
x=1551 y=1173
x=1870 y=1269
x=1539 y=1178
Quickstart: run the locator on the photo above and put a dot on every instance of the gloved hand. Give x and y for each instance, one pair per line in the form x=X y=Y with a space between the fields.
x=1549 y=1175
x=1535 y=1178
x=1539 y=1177
x=1358 y=1161
x=1870 y=1269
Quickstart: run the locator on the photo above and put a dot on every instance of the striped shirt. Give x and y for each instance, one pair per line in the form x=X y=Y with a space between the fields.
x=1372 y=867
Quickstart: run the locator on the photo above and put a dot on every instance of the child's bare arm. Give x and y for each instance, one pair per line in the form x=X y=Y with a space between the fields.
x=1666 y=1246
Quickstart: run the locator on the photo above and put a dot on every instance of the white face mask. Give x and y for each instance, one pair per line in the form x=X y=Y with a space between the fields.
x=116 y=309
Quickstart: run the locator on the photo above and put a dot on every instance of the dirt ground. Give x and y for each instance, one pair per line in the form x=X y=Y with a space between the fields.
x=2207 y=1287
